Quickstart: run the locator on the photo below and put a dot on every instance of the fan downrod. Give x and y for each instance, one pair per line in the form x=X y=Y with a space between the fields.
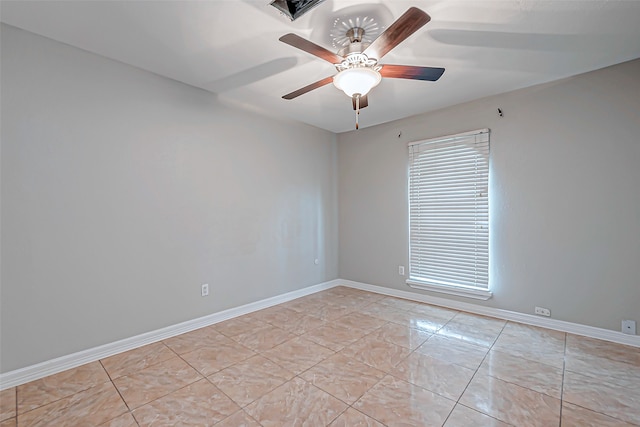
x=355 y=34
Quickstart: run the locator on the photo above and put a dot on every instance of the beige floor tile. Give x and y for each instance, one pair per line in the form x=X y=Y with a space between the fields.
x=533 y=348
x=511 y=403
x=331 y=311
x=433 y=312
x=360 y=321
x=246 y=381
x=155 y=381
x=602 y=395
x=237 y=326
x=621 y=373
x=54 y=387
x=289 y=320
x=466 y=417
x=298 y=355
x=575 y=416
x=346 y=290
x=353 y=418
x=577 y=345
x=343 y=377
x=334 y=337
x=264 y=338
x=398 y=303
x=209 y=360
x=537 y=334
x=377 y=353
x=484 y=323
x=305 y=305
x=371 y=297
x=355 y=301
x=9 y=422
x=7 y=403
x=403 y=336
x=190 y=341
x=124 y=420
x=239 y=419
x=303 y=324
x=476 y=330
x=397 y=403
x=90 y=407
x=525 y=373
x=435 y=375
x=296 y=403
x=198 y=404
x=409 y=319
x=275 y=315
x=350 y=296
x=134 y=360
x=454 y=350
x=322 y=297
x=428 y=310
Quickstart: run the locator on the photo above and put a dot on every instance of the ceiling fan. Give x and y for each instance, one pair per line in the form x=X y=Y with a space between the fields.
x=357 y=63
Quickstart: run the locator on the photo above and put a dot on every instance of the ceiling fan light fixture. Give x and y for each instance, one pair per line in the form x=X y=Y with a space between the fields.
x=357 y=80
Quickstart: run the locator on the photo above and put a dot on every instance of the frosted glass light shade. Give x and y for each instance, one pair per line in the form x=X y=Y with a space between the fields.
x=357 y=80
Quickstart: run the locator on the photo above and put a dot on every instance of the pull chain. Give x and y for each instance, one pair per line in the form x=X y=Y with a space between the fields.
x=357 y=110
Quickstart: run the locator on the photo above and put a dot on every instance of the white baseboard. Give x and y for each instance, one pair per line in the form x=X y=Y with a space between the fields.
x=529 y=319
x=54 y=366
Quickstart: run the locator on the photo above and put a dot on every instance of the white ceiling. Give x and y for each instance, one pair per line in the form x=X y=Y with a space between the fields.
x=231 y=47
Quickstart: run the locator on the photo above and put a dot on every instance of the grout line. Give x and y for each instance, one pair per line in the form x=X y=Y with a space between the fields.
x=486 y=415
x=229 y=397
x=564 y=368
x=474 y=375
x=119 y=394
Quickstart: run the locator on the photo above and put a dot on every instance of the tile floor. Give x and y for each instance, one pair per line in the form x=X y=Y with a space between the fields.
x=346 y=358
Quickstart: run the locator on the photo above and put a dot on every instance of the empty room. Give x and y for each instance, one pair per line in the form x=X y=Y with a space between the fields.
x=320 y=213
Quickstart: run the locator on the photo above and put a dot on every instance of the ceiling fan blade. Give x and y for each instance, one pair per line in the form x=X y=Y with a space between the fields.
x=410 y=22
x=364 y=101
x=308 y=88
x=411 y=72
x=310 y=47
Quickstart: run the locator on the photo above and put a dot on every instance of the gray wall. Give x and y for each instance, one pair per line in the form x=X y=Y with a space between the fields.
x=123 y=192
x=564 y=196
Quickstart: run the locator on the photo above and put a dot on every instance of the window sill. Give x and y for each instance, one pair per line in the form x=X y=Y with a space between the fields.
x=481 y=294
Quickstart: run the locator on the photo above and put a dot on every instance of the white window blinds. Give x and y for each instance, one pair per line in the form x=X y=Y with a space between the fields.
x=449 y=214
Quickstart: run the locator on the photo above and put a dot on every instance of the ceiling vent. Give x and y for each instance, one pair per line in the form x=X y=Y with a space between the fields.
x=294 y=9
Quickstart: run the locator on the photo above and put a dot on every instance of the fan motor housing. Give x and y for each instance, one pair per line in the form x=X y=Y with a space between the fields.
x=355 y=47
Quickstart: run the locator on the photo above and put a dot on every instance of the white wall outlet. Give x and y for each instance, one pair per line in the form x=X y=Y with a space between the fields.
x=204 y=290
x=316 y=261
x=543 y=311
x=401 y=270
x=629 y=327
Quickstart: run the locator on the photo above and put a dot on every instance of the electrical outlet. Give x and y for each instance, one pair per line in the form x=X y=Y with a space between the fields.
x=204 y=290
x=629 y=327
x=401 y=270
x=543 y=311
x=316 y=261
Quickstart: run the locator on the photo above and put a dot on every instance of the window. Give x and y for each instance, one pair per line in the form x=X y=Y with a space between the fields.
x=449 y=214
